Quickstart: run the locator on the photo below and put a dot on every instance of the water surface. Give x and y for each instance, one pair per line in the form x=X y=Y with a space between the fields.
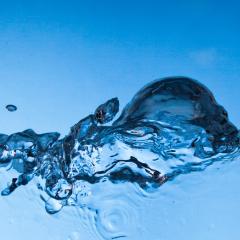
x=134 y=177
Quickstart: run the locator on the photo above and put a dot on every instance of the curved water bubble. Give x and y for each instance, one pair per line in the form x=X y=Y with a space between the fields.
x=181 y=96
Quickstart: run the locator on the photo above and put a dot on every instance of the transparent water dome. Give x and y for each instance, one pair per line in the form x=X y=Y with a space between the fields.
x=167 y=167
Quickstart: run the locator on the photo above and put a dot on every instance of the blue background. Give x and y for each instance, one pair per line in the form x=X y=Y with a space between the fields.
x=60 y=59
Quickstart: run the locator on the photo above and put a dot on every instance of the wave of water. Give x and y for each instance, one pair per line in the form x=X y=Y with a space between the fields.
x=171 y=127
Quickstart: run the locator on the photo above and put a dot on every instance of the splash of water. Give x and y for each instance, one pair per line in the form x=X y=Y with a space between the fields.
x=171 y=126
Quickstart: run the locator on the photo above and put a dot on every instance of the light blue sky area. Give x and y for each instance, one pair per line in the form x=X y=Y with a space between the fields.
x=60 y=59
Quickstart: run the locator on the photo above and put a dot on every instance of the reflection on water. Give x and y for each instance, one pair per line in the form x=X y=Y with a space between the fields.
x=172 y=127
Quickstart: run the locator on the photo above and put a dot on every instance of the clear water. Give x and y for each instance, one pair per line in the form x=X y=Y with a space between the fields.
x=146 y=175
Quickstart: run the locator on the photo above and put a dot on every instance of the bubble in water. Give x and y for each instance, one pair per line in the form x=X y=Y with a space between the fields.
x=185 y=98
x=11 y=108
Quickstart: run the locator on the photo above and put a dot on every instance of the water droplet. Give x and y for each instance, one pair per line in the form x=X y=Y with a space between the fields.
x=11 y=108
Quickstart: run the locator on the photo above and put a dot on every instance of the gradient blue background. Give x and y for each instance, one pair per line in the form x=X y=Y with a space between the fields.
x=60 y=59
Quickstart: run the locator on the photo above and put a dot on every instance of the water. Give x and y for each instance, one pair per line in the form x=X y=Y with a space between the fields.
x=11 y=108
x=118 y=176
